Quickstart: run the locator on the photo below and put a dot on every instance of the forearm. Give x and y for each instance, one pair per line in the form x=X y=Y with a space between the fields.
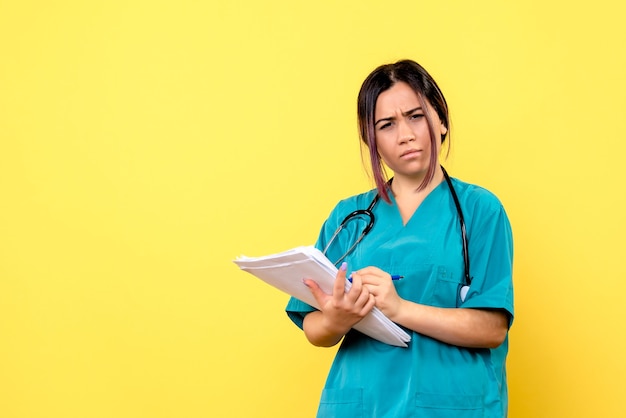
x=475 y=328
x=319 y=332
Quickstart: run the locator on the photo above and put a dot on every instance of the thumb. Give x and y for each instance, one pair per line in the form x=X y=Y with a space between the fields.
x=316 y=291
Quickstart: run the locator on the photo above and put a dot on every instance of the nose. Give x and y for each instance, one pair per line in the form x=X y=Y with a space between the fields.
x=405 y=133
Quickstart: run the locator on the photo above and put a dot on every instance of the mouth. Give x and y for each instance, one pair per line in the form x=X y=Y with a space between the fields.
x=411 y=153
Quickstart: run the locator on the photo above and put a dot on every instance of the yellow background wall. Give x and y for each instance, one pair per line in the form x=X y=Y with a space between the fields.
x=145 y=144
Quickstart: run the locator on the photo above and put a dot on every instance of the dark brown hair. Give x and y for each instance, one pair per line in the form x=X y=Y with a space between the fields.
x=382 y=79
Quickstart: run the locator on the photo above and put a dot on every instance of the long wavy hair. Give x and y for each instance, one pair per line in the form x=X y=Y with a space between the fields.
x=427 y=90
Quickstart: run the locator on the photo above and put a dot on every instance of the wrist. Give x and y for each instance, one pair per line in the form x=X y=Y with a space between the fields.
x=332 y=328
x=396 y=314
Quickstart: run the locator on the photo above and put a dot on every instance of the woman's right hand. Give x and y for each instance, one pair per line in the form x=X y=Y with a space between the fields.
x=339 y=312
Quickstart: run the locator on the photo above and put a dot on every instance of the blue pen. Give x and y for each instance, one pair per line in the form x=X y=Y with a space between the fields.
x=393 y=277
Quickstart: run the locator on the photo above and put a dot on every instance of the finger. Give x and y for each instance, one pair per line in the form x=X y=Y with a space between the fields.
x=362 y=298
x=373 y=271
x=339 y=287
x=316 y=291
x=371 y=302
x=373 y=275
x=372 y=289
x=357 y=287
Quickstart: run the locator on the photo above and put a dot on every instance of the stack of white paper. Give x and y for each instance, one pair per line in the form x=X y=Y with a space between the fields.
x=286 y=270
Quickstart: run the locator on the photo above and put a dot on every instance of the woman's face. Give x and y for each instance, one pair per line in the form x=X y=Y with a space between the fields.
x=402 y=132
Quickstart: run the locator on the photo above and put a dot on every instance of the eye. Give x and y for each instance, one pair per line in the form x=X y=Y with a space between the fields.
x=416 y=116
x=384 y=126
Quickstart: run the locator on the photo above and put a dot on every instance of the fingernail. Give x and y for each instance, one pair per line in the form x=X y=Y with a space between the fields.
x=305 y=283
x=344 y=266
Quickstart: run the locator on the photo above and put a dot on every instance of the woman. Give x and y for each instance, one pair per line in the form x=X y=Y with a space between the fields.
x=454 y=365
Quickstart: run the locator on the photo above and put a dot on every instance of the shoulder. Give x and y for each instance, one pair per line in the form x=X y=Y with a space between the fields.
x=482 y=209
x=476 y=198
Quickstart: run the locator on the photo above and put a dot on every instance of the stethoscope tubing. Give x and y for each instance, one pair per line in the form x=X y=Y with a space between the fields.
x=369 y=212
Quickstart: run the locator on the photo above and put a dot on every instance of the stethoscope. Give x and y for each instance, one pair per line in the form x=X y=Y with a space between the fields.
x=369 y=214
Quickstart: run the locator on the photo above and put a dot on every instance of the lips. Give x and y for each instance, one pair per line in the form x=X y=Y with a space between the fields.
x=410 y=153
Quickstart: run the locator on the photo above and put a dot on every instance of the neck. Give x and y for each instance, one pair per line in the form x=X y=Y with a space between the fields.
x=406 y=185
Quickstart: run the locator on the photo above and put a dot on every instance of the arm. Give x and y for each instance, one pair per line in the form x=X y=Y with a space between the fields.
x=476 y=328
x=339 y=312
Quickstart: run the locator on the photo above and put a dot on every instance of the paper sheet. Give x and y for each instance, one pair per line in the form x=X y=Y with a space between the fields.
x=286 y=270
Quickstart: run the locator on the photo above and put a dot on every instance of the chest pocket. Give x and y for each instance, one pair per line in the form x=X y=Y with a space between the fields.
x=427 y=284
x=446 y=289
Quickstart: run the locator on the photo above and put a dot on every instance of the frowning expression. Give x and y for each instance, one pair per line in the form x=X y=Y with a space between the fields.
x=402 y=131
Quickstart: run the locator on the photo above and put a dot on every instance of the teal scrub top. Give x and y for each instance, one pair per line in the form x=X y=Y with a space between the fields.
x=430 y=378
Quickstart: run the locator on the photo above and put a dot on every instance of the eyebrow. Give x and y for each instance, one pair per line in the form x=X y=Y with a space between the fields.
x=407 y=113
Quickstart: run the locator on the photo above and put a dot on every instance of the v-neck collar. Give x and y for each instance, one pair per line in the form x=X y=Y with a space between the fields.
x=393 y=207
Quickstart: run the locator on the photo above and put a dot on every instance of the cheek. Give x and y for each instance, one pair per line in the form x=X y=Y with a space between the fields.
x=383 y=145
x=424 y=130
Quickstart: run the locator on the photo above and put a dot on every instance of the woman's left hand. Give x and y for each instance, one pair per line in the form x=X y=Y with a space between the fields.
x=465 y=327
x=380 y=285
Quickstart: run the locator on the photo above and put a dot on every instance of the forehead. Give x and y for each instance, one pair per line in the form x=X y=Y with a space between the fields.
x=399 y=97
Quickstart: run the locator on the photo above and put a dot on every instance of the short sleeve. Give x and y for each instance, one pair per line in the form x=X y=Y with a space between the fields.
x=490 y=244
